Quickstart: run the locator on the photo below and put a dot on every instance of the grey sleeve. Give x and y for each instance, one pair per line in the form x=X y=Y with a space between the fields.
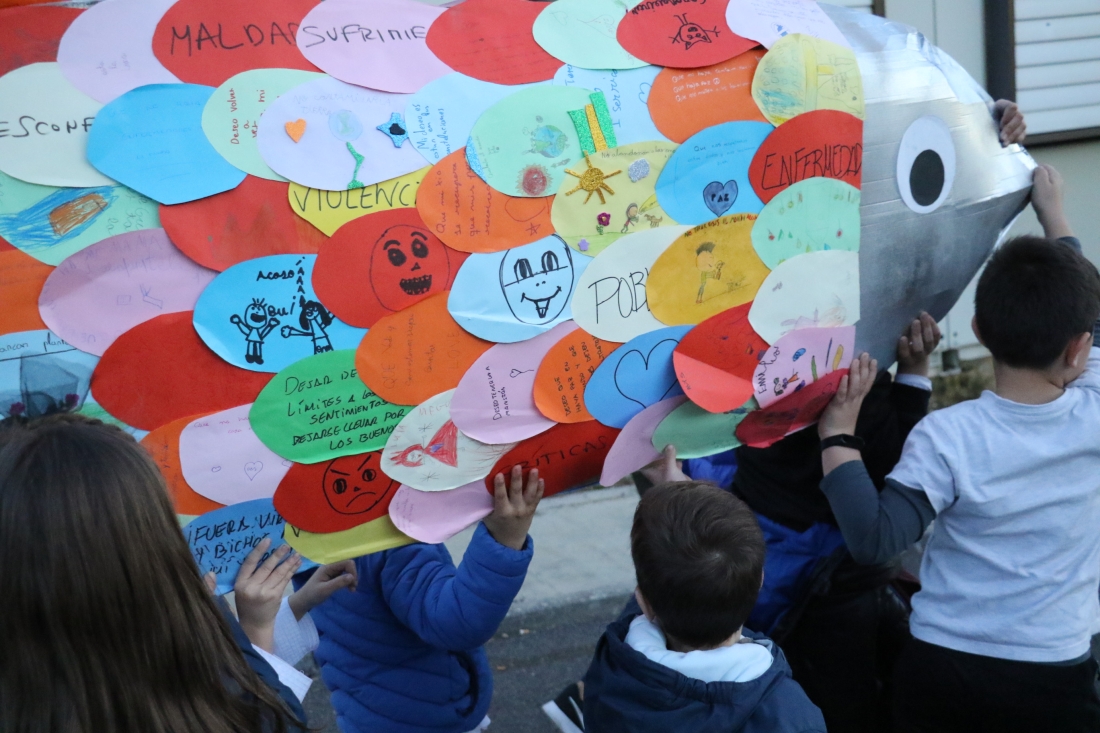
x=1071 y=242
x=876 y=527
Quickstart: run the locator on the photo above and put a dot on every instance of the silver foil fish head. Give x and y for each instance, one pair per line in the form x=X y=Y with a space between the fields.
x=915 y=258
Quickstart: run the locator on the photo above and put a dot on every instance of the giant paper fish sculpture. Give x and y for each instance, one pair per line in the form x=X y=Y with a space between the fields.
x=586 y=241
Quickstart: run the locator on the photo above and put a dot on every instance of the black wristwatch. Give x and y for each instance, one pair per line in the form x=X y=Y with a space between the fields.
x=844 y=441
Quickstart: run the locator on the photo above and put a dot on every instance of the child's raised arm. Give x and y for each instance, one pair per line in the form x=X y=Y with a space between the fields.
x=514 y=507
x=876 y=527
x=1048 y=200
x=460 y=608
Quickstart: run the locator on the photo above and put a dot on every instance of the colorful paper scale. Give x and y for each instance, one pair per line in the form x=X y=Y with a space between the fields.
x=346 y=260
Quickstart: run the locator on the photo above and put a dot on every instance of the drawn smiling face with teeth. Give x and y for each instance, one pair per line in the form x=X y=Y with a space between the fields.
x=537 y=280
x=405 y=264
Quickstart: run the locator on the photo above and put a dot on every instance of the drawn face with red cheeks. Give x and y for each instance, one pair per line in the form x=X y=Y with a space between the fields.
x=406 y=264
x=355 y=485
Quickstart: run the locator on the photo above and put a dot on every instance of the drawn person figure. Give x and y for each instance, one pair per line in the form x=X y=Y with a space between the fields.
x=707 y=266
x=313 y=319
x=256 y=325
x=631 y=218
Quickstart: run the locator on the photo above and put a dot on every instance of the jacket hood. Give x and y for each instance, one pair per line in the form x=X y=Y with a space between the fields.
x=643 y=695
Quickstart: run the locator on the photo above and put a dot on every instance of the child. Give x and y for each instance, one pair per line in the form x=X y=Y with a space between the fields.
x=279 y=627
x=680 y=660
x=403 y=653
x=106 y=624
x=1008 y=602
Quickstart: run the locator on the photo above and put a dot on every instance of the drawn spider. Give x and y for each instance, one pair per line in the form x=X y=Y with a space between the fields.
x=691 y=33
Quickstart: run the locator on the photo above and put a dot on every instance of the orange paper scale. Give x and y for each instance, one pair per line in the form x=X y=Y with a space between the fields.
x=715 y=361
x=21 y=281
x=381 y=264
x=492 y=40
x=335 y=495
x=461 y=209
x=160 y=371
x=208 y=41
x=567 y=456
x=684 y=102
x=564 y=373
x=680 y=36
x=823 y=143
x=252 y=220
x=419 y=352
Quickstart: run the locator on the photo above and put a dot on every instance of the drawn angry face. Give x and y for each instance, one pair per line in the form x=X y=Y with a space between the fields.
x=355 y=485
x=691 y=33
x=405 y=264
x=537 y=280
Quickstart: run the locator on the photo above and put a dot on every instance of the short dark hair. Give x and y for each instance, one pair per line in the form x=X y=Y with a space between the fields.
x=699 y=557
x=704 y=247
x=1034 y=297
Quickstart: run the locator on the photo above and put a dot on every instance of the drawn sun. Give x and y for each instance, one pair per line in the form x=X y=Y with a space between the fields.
x=593 y=180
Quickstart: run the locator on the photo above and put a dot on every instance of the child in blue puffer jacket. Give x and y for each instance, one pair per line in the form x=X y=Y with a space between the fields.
x=404 y=652
x=680 y=659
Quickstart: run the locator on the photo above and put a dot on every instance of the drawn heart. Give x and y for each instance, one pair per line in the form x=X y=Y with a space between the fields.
x=253 y=468
x=648 y=378
x=296 y=129
x=719 y=197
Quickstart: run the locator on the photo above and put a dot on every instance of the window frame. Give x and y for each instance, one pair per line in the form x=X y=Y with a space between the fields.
x=1000 y=68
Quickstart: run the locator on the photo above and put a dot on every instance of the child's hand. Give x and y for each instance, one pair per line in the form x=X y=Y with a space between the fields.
x=259 y=591
x=514 y=507
x=665 y=469
x=917 y=344
x=1013 y=125
x=840 y=416
x=1047 y=200
x=325 y=581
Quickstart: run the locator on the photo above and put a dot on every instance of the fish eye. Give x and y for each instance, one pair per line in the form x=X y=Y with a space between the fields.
x=926 y=164
x=549 y=262
x=370 y=475
x=339 y=486
x=419 y=248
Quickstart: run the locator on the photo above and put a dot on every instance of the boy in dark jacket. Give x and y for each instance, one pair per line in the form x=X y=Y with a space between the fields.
x=680 y=659
x=403 y=652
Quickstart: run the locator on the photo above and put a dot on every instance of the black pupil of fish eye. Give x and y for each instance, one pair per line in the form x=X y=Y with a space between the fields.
x=339 y=486
x=420 y=249
x=369 y=475
x=397 y=257
x=926 y=178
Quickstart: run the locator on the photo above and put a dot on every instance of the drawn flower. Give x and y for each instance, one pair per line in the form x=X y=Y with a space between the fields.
x=604 y=219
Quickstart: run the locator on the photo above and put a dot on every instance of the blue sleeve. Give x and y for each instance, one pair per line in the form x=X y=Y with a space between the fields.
x=457 y=609
x=259 y=665
x=876 y=526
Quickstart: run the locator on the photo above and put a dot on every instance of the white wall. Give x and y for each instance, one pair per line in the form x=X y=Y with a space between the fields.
x=956 y=26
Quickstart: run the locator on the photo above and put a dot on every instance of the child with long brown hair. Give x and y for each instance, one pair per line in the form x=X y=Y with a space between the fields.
x=107 y=625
